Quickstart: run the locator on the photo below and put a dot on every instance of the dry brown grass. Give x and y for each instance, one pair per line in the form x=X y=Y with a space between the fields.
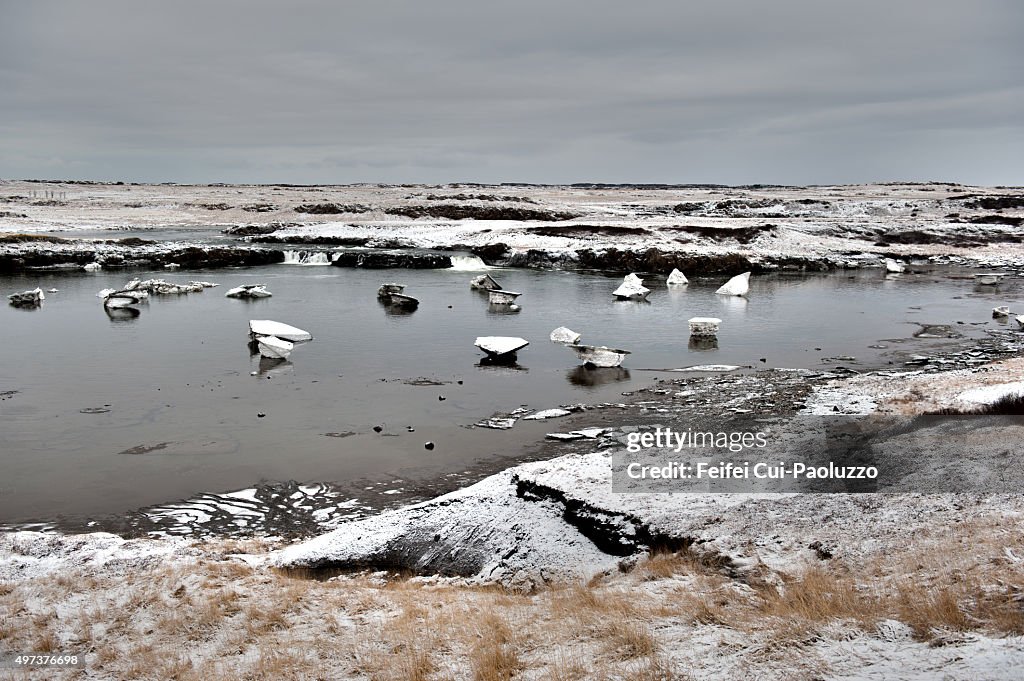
x=237 y=622
x=495 y=656
x=819 y=595
x=628 y=640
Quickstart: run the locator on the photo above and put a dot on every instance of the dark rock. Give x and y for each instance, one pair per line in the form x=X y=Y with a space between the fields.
x=994 y=220
x=331 y=208
x=384 y=260
x=571 y=231
x=252 y=230
x=995 y=202
x=490 y=252
x=464 y=212
x=312 y=240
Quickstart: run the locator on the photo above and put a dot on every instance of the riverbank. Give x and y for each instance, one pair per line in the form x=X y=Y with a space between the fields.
x=699 y=229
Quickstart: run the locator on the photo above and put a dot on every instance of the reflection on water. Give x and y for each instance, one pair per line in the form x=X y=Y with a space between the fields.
x=120 y=315
x=508 y=359
x=497 y=308
x=394 y=310
x=702 y=343
x=273 y=366
x=591 y=376
x=497 y=365
x=734 y=303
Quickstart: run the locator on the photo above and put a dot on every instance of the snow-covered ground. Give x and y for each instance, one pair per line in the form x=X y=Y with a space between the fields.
x=839 y=226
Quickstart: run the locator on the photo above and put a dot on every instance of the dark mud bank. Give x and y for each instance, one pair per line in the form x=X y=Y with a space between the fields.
x=653 y=260
x=192 y=257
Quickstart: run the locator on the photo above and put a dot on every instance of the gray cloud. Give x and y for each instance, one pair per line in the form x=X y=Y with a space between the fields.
x=736 y=91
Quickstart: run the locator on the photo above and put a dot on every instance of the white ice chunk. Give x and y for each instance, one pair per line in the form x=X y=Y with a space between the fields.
x=677 y=278
x=565 y=335
x=500 y=345
x=267 y=327
x=737 y=286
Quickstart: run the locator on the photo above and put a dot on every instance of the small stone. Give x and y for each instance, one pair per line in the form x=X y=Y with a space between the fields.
x=428 y=445
x=377 y=429
x=441 y=398
x=260 y=415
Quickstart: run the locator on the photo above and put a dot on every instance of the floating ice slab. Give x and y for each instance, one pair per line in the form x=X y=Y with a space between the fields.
x=565 y=335
x=1001 y=311
x=989 y=278
x=117 y=299
x=496 y=346
x=737 y=286
x=501 y=297
x=600 y=356
x=93 y=267
x=33 y=297
x=274 y=347
x=267 y=327
x=249 y=291
x=704 y=326
x=484 y=282
x=389 y=289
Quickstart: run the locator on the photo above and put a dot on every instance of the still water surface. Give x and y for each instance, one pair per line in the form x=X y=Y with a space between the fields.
x=112 y=414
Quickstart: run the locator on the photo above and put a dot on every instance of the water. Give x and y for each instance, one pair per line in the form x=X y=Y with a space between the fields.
x=115 y=413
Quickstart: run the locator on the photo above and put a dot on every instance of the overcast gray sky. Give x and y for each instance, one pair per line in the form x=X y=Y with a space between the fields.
x=727 y=91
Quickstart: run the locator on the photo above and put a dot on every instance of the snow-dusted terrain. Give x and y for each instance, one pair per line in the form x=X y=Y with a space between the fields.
x=768 y=227
x=543 y=570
